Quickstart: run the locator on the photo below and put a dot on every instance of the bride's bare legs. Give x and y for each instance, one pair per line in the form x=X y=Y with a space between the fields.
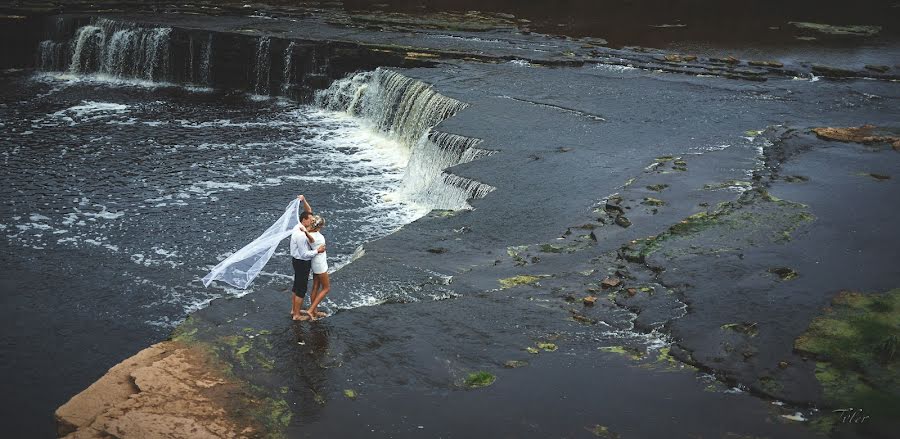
x=324 y=288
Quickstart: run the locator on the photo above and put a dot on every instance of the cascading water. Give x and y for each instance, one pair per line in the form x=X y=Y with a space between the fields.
x=406 y=109
x=402 y=107
x=198 y=59
x=118 y=49
x=263 y=66
x=286 y=80
x=426 y=182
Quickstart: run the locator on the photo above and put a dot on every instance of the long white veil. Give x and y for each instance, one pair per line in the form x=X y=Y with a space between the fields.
x=245 y=264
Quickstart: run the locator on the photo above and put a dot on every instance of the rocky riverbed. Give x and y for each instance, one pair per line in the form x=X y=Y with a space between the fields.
x=655 y=243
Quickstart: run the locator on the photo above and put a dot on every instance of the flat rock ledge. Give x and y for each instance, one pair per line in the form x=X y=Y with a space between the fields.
x=170 y=390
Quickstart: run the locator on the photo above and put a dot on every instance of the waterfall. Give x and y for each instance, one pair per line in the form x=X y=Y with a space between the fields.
x=263 y=64
x=204 y=60
x=198 y=60
x=406 y=110
x=286 y=82
x=117 y=49
x=426 y=182
x=401 y=107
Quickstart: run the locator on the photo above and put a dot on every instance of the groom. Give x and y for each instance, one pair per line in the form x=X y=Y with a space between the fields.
x=301 y=257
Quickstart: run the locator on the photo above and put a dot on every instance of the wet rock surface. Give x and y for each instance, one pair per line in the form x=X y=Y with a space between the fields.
x=666 y=259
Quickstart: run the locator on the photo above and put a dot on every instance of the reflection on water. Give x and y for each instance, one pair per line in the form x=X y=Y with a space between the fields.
x=311 y=357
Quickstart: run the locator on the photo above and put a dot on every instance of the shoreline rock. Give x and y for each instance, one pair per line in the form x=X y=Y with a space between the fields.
x=171 y=389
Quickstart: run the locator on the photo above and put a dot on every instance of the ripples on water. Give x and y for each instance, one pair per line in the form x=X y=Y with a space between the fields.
x=159 y=183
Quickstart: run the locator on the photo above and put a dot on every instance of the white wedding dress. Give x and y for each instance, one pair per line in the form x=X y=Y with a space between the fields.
x=244 y=265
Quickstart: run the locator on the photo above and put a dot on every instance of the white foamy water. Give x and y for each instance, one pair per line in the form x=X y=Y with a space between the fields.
x=164 y=189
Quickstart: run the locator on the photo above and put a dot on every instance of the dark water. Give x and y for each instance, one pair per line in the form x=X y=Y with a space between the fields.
x=118 y=197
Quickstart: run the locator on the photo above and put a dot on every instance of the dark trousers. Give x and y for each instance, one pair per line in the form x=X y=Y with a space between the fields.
x=301 y=276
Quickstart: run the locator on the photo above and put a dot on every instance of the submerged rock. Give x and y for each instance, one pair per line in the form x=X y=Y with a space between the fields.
x=784 y=273
x=855 y=344
x=865 y=134
x=877 y=68
x=514 y=364
x=514 y=281
x=479 y=379
x=834 y=72
x=851 y=30
x=765 y=64
x=610 y=282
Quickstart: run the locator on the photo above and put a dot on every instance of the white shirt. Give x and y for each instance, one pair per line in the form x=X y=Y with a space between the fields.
x=300 y=246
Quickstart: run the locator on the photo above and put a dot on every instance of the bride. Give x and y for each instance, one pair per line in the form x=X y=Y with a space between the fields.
x=321 y=283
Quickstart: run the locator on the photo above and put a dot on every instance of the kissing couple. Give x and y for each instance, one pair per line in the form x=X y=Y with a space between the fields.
x=308 y=254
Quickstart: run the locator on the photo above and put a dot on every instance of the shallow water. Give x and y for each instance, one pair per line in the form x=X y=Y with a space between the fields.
x=120 y=196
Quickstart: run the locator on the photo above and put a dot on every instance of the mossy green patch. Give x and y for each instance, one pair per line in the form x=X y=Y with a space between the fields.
x=657 y=187
x=479 y=379
x=855 y=345
x=350 y=393
x=532 y=350
x=524 y=279
x=632 y=353
x=650 y=201
x=274 y=414
x=730 y=184
x=515 y=254
x=770 y=385
x=549 y=347
x=745 y=221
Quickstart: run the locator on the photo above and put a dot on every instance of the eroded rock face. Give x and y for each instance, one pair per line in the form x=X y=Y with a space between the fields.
x=167 y=390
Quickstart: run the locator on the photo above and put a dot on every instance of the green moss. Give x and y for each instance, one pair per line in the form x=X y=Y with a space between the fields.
x=524 y=279
x=730 y=184
x=514 y=364
x=854 y=344
x=824 y=424
x=743 y=328
x=514 y=253
x=632 y=353
x=665 y=158
x=273 y=414
x=479 y=379
x=650 y=201
x=532 y=350
x=549 y=347
x=230 y=340
x=657 y=187
x=752 y=133
x=551 y=248
x=770 y=385
x=186 y=332
x=350 y=393
x=265 y=363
